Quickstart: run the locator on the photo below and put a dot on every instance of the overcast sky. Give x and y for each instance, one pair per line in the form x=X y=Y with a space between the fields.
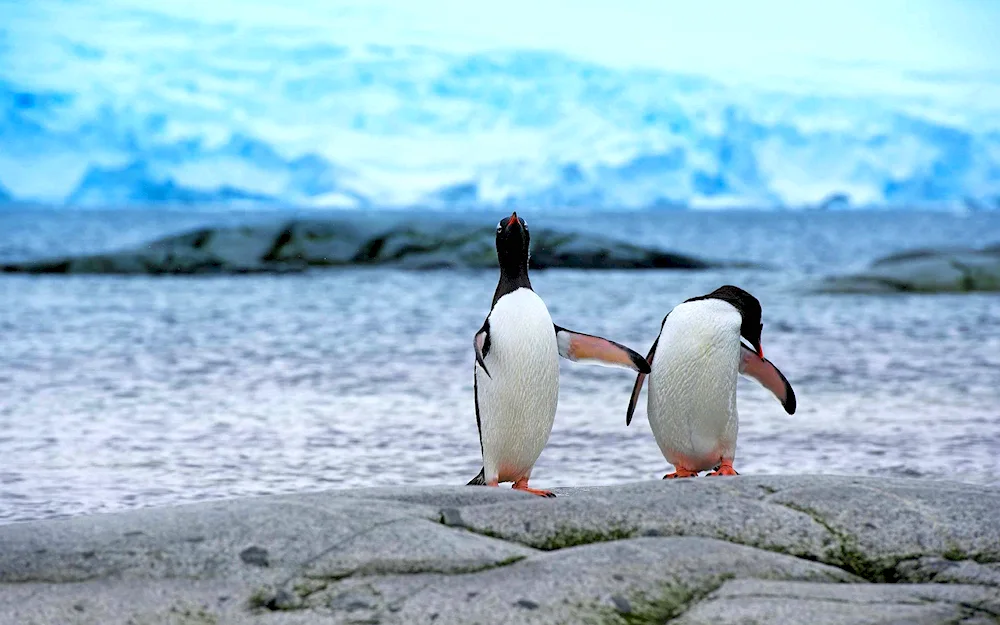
x=707 y=36
x=723 y=35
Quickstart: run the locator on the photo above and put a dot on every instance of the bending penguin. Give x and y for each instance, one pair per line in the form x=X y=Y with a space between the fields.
x=692 y=385
x=517 y=367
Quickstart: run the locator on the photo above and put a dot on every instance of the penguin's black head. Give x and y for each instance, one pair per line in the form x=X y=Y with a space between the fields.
x=512 y=244
x=749 y=308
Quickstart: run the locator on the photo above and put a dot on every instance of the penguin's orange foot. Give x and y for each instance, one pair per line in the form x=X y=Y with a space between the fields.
x=522 y=484
x=680 y=472
x=725 y=468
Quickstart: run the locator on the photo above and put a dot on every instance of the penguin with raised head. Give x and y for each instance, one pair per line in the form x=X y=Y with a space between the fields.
x=695 y=363
x=516 y=373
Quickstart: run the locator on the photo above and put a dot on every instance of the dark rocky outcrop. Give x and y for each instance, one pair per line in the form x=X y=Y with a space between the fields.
x=924 y=271
x=298 y=245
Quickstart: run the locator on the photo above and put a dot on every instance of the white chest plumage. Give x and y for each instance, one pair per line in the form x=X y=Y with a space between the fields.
x=692 y=385
x=517 y=401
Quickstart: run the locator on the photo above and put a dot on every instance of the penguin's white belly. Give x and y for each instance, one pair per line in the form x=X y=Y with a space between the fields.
x=692 y=385
x=517 y=402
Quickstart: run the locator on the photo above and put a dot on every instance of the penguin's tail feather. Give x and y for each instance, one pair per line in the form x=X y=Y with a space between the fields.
x=479 y=480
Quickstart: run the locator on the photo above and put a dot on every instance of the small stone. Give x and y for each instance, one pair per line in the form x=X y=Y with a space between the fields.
x=256 y=556
x=527 y=604
x=621 y=604
x=78 y=607
x=452 y=517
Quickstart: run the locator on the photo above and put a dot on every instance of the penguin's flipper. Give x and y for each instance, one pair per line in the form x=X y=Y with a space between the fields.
x=639 y=380
x=482 y=345
x=594 y=349
x=479 y=480
x=762 y=370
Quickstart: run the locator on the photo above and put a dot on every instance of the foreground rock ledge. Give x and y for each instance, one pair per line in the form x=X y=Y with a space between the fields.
x=301 y=244
x=776 y=549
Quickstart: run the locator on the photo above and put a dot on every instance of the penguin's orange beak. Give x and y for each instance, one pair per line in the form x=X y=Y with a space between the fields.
x=760 y=351
x=512 y=220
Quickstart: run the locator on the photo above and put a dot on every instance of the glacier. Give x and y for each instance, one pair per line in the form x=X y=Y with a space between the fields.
x=116 y=104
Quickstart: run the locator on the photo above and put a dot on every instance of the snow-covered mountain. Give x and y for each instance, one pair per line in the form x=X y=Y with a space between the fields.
x=101 y=104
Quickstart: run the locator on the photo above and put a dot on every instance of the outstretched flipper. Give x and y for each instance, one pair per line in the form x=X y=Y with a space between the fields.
x=482 y=345
x=762 y=370
x=593 y=349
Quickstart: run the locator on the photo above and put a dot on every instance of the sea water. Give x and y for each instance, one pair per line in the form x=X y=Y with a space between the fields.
x=120 y=392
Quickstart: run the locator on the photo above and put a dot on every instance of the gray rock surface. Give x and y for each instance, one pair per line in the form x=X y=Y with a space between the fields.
x=950 y=571
x=641 y=578
x=775 y=549
x=414 y=547
x=298 y=245
x=763 y=601
x=924 y=271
